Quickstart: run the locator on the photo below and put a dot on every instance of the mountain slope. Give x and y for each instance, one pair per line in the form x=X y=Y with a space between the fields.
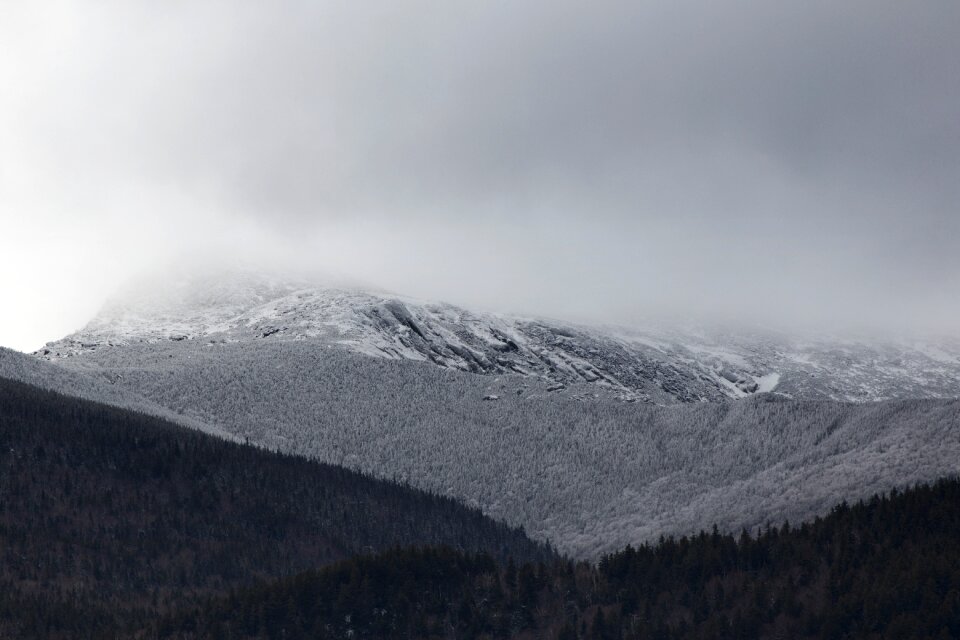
x=591 y=475
x=107 y=515
x=524 y=418
x=44 y=375
x=660 y=365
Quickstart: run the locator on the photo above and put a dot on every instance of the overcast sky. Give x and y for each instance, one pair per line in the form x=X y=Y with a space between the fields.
x=598 y=161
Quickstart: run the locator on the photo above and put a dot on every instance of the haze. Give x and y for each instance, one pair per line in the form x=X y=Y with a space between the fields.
x=781 y=162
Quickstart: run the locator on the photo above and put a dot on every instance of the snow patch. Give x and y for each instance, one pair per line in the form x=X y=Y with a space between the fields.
x=767 y=383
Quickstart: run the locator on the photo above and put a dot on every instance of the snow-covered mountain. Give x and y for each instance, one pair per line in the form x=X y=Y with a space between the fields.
x=525 y=418
x=662 y=365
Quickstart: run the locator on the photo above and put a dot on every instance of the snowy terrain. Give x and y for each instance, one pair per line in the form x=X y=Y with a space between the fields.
x=588 y=474
x=23 y=368
x=661 y=365
x=591 y=438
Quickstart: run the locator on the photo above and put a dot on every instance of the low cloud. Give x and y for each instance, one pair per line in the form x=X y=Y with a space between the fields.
x=606 y=162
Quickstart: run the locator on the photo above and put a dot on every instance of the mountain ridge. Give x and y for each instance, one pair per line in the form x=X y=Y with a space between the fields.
x=588 y=438
x=659 y=365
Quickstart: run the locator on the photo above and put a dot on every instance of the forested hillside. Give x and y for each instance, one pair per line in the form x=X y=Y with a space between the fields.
x=590 y=475
x=39 y=373
x=885 y=568
x=108 y=516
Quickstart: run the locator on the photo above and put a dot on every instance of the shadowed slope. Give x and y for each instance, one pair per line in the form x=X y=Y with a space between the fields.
x=887 y=568
x=106 y=513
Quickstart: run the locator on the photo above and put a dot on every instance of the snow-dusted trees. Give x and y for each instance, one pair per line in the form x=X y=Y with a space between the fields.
x=590 y=475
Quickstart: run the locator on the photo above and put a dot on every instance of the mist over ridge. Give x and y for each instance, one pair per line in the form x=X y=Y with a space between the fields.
x=795 y=163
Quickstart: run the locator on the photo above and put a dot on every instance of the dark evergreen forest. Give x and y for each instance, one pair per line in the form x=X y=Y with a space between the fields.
x=887 y=568
x=109 y=516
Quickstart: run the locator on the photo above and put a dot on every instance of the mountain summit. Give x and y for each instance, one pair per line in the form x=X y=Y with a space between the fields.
x=658 y=364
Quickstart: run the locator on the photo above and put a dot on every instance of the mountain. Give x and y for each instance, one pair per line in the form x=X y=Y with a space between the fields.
x=657 y=365
x=108 y=516
x=44 y=375
x=886 y=568
x=377 y=384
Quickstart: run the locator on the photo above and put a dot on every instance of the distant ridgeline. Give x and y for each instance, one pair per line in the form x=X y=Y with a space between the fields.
x=108 y=516
x=887 y=568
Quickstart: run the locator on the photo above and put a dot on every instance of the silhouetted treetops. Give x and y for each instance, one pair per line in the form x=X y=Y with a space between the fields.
x=886 y=568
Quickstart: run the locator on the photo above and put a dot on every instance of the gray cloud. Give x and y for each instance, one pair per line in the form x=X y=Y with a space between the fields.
x=604 y=161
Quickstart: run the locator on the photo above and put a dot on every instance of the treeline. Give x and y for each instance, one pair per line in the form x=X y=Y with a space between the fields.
x=886 y=568
x=109 y=517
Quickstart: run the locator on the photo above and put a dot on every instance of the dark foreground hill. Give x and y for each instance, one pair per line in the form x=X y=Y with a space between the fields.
x=109 y=516
x=886 y=568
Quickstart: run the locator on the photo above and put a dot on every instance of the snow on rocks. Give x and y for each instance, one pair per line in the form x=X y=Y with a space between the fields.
x=659 y=365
